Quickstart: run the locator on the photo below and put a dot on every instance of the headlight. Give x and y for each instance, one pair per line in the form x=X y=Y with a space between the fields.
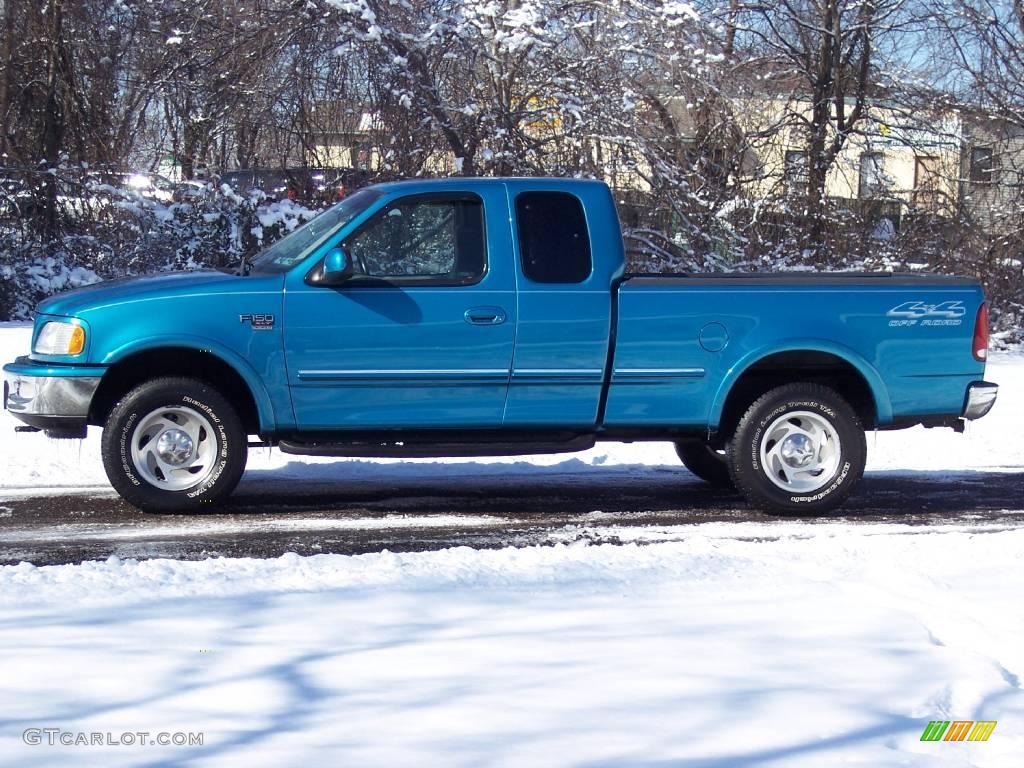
x=60 y=339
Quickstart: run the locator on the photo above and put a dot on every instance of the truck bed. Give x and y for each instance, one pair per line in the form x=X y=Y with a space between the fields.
x=683 y=340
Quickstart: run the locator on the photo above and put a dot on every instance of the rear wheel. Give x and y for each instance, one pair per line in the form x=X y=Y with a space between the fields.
x=799 y=448
x=174 y=444
x=707 y=463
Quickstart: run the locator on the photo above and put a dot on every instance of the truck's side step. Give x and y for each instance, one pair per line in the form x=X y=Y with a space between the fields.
x=426 y=449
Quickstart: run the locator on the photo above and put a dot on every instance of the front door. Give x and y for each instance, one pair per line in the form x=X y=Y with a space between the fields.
x=421 y=336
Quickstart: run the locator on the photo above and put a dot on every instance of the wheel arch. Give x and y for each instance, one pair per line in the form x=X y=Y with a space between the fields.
x=222 y=369
x=833 y=365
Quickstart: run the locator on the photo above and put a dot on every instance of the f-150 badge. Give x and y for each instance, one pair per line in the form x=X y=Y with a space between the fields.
x=258 y=322
x=920 y=312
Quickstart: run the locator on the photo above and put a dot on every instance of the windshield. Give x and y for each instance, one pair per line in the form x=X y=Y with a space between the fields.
x=289 y=251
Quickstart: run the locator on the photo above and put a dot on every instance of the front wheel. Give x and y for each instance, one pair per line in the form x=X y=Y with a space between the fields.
x=174 y=444
x=799 y=448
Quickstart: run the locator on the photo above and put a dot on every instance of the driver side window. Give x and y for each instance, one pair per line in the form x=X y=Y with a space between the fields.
x=423 y=240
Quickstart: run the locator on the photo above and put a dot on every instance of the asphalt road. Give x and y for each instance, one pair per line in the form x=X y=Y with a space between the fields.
x=267 y=517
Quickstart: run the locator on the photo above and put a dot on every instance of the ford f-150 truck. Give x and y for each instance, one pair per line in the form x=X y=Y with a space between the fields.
x=494 y=317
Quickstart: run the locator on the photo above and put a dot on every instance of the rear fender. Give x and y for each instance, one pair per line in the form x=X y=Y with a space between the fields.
x=879 y=392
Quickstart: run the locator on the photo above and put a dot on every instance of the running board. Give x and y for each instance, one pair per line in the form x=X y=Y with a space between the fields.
x=433 y=450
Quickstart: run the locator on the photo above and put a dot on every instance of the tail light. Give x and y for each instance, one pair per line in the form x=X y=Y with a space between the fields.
x=980 y=345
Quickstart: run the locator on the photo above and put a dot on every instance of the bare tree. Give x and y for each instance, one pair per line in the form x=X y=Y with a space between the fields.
x=825 y=61
x=978 y=45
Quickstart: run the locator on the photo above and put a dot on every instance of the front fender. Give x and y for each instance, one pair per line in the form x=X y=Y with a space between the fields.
x=269 y=419
x=879 y=392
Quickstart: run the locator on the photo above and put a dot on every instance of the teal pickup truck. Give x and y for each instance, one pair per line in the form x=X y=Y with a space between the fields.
x=467 y=317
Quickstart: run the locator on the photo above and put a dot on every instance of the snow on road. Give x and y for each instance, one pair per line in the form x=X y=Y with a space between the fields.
x=86 y=531
x=729 y=644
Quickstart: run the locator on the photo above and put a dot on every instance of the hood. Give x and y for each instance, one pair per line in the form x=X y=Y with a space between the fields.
x=112 y=292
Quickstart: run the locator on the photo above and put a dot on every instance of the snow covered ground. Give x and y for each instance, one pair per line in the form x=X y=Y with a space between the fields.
x=744 y=644
x=771 y=643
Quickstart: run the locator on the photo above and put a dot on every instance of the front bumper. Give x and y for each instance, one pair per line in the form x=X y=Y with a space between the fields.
x=981 y=396
x=50 y=397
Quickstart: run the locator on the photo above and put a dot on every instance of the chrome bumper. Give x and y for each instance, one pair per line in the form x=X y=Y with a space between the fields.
x=41 y=401
x=981 y=396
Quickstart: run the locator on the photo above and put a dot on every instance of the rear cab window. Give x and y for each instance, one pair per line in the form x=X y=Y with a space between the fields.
x=554 y=244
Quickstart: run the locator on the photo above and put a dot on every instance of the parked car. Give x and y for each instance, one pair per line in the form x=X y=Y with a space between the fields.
x=79 y=194
x=193 y=191
x=151 y=186
x=305 y=185
x=342 y=184
x=492 y=316
x=24 y=192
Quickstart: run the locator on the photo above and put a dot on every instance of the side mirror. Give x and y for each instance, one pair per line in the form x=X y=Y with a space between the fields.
x=337 y=267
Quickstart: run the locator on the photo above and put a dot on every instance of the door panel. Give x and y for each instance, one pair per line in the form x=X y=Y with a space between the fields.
x=419 y=338
x=568 y=266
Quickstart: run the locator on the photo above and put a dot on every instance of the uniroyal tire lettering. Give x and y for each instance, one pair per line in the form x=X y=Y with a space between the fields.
x=822 y=494
x=123 y=445
x=210 y=483
x=203 y=407
x=754 y=457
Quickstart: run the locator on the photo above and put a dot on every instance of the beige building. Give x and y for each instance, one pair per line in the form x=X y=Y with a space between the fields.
x=911 y=161
x=992 y=174
x=356 y=142
x=897 y=163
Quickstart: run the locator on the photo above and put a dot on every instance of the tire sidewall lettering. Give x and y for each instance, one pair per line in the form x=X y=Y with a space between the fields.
x=839 y=480
x=201 y=406
x=210 y=482
x=124 y=440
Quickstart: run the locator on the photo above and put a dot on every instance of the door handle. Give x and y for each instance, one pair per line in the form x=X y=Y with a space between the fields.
x=485 y=316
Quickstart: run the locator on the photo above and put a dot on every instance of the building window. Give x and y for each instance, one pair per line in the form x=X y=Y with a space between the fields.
x=926 y=182
x=982 y=164
x=711 y=165
x=873 y=181
x=796 y=172
x=554 y=244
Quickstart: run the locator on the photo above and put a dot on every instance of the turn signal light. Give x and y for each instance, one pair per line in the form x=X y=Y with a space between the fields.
x=77 y=343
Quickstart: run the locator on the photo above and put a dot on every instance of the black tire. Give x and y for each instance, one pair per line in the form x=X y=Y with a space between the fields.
x=833 y=485
x=227 y=452
x=705 y=462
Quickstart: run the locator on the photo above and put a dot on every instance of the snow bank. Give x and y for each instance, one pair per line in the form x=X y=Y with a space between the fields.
x=826 y=645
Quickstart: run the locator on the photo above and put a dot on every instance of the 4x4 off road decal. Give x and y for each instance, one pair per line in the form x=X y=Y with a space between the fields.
x=925 y=314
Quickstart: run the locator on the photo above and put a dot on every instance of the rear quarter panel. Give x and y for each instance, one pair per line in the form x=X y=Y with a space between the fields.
x=916 y=361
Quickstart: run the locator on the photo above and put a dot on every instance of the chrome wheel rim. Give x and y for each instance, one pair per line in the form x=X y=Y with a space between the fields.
x=174 y=448
x=800 y=451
